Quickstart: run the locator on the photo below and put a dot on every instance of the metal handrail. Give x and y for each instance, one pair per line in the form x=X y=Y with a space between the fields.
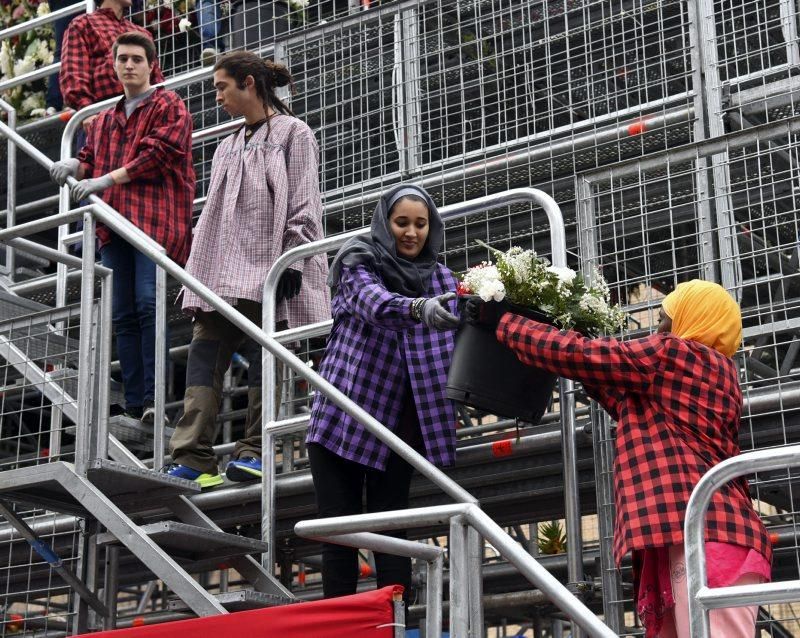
x=701 y=597
x=476 y=518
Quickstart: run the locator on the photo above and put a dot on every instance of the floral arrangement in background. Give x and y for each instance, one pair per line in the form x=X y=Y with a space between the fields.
x=525 y=279
x=24 y=53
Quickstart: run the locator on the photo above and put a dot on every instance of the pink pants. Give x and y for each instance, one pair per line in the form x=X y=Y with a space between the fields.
x=732 y=622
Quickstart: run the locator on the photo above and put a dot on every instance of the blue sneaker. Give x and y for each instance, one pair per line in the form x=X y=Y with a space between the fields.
x=190 y=474
x=244 y=469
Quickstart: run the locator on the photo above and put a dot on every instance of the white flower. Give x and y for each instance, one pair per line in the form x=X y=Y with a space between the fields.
x=6 y=63
x=492 y=290
x=565 y=275
x=519 y=261
x=43 y=9
x=25 y=65
x=591 y=303
x=43 y=52
x=184 y=25
x=32 y=102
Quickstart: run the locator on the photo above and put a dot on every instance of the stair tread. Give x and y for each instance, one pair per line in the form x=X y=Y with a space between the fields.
x=145 y=485
x=133 y=432
x=193 y=541
x=240 y=600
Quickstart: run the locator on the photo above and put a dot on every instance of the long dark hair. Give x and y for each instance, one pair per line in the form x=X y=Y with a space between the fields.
x=267 y=76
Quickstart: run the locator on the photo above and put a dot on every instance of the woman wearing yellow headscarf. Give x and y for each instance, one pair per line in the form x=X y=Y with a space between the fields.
x=675 y=396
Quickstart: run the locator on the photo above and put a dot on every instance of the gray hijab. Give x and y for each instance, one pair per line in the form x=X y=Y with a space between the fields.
x=379 y=249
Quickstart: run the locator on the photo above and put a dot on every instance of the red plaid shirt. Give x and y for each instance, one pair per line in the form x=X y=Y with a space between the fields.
x=677 y=405
x=155 y=145
x=87 y=67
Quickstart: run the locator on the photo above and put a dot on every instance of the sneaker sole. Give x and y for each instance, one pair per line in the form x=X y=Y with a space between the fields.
x=209 y=481
x=239 y=474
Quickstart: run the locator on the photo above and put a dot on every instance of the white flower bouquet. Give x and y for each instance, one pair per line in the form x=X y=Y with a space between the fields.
x=528 y=281
x=24 y=53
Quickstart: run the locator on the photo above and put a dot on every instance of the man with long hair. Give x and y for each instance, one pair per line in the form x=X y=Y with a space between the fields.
x=263 y=199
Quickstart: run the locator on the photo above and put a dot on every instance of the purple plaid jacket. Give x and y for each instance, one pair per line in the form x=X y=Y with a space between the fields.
x=374 y=349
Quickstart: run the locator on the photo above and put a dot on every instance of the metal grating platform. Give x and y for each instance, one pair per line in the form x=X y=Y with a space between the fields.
x=195 y=543
x=241 y=600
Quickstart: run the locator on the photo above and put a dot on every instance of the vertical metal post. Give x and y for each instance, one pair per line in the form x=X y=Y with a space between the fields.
x=111 y=586
x=705 y=223
x=159 y=399
x=613 y=609
x=475 y=576
x=408 y=90
x=104 y=364
x=85 y=372
x=433 y=597
x=729 y=266
x=572 y=507
x=459 y=578
x=227 y=406
x=11 y=185
x=788 y=10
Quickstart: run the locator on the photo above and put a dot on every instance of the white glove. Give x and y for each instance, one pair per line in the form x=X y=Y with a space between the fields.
x=60 y=171
x=435 y=314
x=91 y=186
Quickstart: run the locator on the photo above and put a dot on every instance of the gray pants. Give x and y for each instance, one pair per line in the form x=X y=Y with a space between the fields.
x=214 y=340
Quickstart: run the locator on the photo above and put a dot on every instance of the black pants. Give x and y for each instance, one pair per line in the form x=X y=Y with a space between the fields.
x=339 y=486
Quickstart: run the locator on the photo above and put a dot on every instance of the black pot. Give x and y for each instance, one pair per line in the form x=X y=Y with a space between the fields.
x=487 y=375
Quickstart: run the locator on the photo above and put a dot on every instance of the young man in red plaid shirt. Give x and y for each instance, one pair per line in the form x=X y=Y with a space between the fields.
x=88 y=72
x=138 y=157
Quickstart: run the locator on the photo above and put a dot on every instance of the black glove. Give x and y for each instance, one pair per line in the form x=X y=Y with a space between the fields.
x=485 y=313
x=289 y=284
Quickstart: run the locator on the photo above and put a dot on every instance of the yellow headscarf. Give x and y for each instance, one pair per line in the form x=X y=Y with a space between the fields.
x=704 y=311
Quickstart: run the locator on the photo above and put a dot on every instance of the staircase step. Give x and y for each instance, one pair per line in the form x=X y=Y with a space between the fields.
x=184 y=541
x=241 y=600
x=134 y=488
x=137 y=436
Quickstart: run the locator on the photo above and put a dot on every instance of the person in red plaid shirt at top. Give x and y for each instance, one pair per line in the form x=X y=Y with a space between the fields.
x=675 y=396
x=138 y=157
x=88 y=70
x=389 y=350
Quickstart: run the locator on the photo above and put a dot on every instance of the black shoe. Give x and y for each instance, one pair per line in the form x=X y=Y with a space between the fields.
x=133 y=412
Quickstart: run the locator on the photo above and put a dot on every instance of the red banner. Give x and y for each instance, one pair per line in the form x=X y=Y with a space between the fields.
x=367 y=615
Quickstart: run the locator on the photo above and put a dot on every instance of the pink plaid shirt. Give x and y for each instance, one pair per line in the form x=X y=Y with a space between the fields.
x=263 y=199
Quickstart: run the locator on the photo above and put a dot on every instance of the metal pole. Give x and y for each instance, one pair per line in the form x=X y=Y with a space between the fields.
x=104 y=363
x=82 y=435
x=161 y=366
x=433 y=597
x=11 y=184
x=475 y=581
x=572 y=506
x=459 y=578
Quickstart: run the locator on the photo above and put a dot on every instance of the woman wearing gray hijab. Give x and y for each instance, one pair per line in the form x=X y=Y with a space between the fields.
x=389 y=350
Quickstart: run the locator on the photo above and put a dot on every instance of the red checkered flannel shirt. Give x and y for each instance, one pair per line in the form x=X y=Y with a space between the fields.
x=87 y=65
x=155 y=145
x=677 y=405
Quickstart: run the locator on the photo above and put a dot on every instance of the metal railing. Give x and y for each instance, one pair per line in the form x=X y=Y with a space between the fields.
x=701 y=597
x=459 y=516
x=118 y=224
